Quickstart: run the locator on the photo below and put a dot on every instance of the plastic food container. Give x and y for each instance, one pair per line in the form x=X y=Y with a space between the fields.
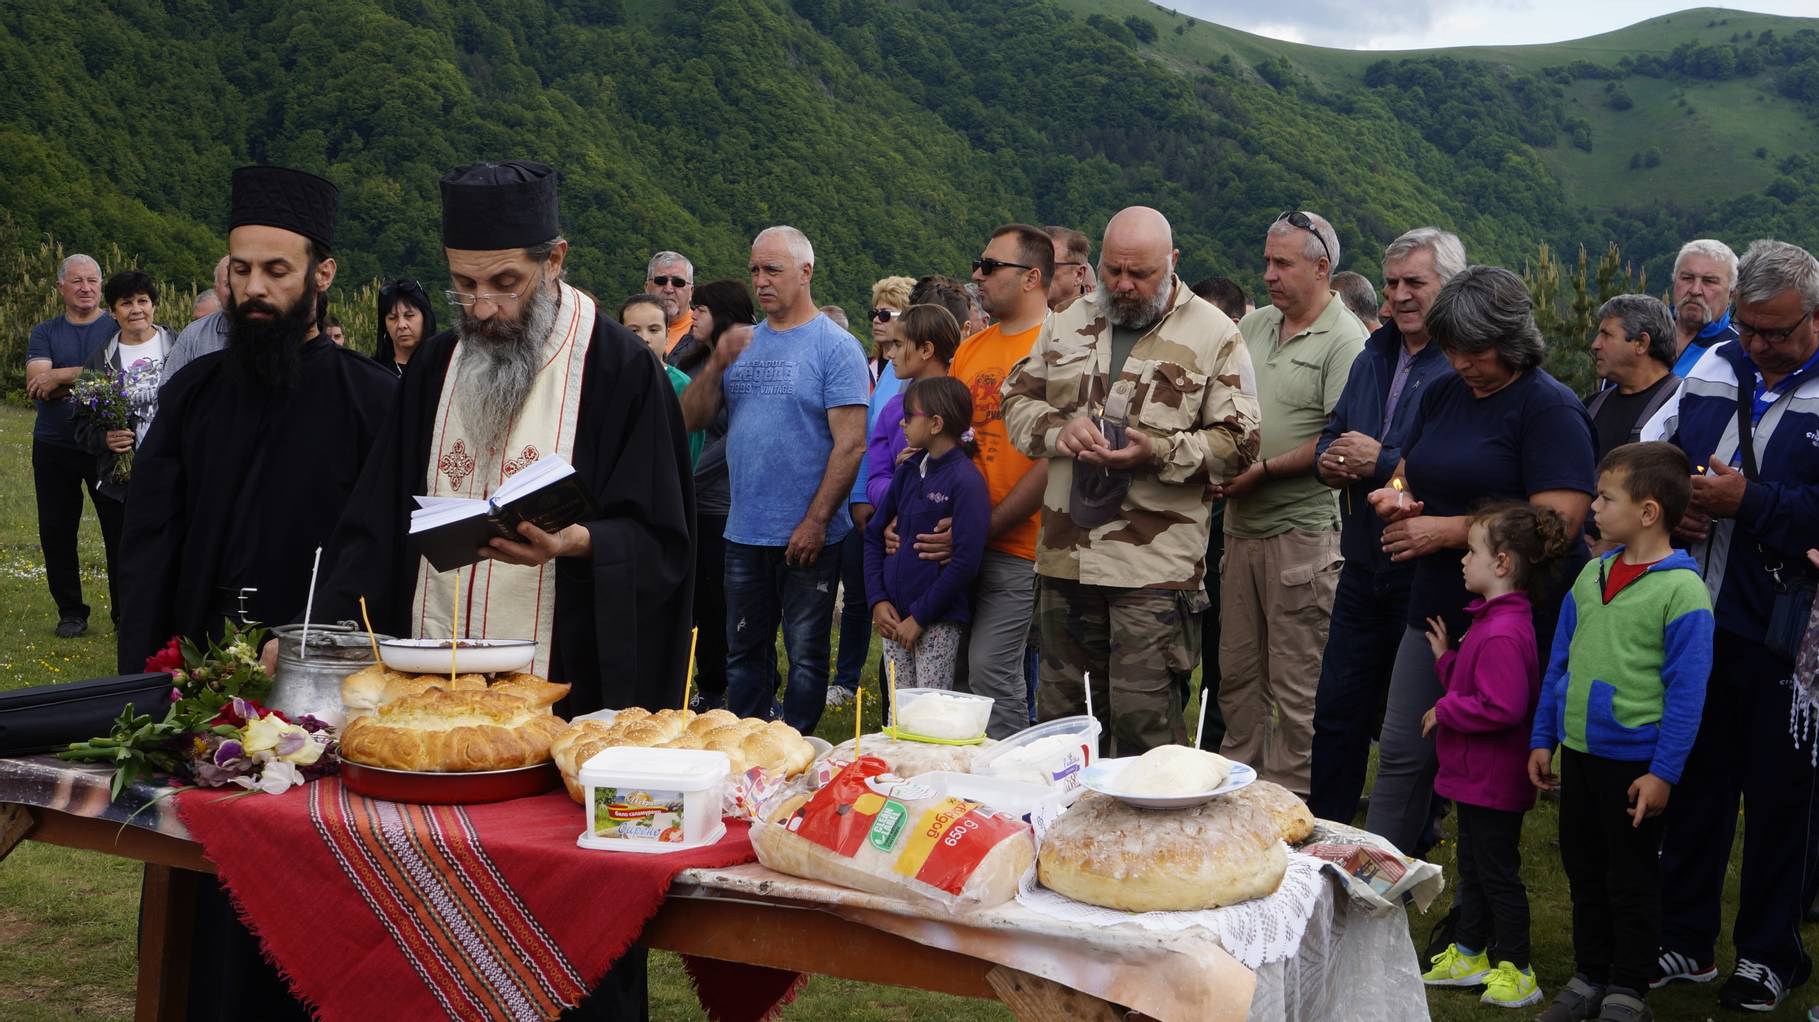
x=653 y=800
x=1067 y=746
x=1013 y=798
x=963 y=723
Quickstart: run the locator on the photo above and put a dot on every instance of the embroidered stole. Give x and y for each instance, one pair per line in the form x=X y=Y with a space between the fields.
x=498 y=600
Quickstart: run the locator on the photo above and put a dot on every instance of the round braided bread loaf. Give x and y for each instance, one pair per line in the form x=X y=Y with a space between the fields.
x=438 y=730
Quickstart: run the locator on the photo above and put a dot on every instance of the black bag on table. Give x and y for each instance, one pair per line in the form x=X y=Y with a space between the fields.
x=45 y=718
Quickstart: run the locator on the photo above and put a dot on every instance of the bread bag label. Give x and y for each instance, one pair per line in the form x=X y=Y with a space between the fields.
x=865 y=805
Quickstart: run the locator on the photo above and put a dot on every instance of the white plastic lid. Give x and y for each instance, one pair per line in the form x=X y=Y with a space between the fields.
x=672 y=769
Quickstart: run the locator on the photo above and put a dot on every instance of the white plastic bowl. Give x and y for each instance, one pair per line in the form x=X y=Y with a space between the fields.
x=971 y=728
x=473 y=656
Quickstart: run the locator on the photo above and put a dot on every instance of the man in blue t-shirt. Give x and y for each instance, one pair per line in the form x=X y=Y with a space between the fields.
x=795 y=388
x=61 y=468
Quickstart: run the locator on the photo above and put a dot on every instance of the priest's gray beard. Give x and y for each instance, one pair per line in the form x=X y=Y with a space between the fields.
x=499 y=363
x=1133 y=313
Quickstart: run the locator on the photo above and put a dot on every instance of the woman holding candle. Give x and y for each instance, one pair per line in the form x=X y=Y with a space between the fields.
x=1500 y=429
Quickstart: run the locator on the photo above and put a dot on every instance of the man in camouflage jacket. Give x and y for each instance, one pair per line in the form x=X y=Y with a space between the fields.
x=1122 y=580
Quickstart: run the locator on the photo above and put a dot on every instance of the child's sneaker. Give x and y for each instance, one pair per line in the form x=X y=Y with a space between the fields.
x=1576 y=1002
x=1510 y=987
x=1621 y=1005
x=1753 y=987
x=1672 y=965
x=1454 y=968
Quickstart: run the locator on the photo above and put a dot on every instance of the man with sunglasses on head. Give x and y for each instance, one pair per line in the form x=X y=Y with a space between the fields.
x=1282 y=554
x=1747 y=417
x=671 y=277
x=1139 y=401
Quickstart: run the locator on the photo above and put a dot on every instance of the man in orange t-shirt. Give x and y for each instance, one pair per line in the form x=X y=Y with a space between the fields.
x=1013 y=277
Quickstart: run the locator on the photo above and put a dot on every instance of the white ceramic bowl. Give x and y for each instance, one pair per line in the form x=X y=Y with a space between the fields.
x=473 y=656
x=1102 y=777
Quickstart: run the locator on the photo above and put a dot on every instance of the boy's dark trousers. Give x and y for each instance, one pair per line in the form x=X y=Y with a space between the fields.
x=1613 y=868
x=1492 y=903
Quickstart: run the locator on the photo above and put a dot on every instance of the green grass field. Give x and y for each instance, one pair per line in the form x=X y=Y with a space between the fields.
x=67 y=918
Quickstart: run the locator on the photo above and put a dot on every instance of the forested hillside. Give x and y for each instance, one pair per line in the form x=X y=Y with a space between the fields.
x=893 y=133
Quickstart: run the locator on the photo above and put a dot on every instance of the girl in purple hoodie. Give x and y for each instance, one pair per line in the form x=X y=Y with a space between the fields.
x=1481 y=727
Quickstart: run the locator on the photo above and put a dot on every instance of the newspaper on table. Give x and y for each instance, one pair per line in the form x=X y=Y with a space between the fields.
x=1371 y=869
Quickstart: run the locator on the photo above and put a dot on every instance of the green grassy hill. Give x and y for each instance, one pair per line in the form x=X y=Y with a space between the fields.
x=894 y=134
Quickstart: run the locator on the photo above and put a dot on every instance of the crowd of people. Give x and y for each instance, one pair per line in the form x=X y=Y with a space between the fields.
x=1363 y=510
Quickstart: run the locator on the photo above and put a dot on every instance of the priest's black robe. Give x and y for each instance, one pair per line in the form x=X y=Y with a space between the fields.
x=621 y=630
x=236 y=486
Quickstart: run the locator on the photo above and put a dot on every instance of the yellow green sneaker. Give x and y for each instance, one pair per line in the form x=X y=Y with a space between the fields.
x=1509 y=987
x=1454 y=968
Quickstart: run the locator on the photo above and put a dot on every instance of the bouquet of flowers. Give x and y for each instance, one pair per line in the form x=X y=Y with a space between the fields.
x=104 y=397
x=215 y=733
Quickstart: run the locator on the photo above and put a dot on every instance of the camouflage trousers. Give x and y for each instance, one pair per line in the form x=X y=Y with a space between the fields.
x=1129 y=641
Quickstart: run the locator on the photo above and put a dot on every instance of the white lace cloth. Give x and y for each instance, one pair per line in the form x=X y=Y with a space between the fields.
x=1255 y=932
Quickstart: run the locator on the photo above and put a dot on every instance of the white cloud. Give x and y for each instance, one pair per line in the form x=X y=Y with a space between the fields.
x=1423 y=24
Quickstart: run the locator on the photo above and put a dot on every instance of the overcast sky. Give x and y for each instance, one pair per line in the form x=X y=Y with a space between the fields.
x=1418 y=24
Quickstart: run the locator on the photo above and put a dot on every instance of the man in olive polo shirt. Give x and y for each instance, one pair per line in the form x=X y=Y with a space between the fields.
x=1281 y=523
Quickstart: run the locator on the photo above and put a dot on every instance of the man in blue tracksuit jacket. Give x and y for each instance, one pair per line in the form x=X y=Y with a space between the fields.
x=1367 y=429
x=1747 y=522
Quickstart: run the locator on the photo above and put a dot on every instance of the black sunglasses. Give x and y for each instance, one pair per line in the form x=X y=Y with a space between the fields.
x=1296 y=218
x=886 y=315
x=989 y=266
x=669 y=282
x=403 y=286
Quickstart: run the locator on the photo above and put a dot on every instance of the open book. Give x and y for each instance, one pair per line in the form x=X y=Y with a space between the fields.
x=449 y=531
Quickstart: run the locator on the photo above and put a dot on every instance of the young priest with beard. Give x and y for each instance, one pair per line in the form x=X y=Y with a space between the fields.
x=531 y=370
x=244 y=472
x=256 y=447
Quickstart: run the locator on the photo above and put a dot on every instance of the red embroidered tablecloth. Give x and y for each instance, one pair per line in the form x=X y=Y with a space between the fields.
x=474 y=912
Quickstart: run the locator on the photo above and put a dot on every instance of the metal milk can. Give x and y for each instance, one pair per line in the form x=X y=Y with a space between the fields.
x=310 y=681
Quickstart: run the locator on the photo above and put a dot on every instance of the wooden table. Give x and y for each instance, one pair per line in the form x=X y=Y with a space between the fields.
x=694 y=920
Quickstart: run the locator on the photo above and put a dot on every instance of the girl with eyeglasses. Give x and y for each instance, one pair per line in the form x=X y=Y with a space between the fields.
x=406 y=320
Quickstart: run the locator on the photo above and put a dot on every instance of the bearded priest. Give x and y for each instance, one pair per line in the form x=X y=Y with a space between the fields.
x=256 y=448
x=531 y=369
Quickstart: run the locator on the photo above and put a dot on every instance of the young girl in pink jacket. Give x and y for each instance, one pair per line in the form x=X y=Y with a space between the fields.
x=1481 y=727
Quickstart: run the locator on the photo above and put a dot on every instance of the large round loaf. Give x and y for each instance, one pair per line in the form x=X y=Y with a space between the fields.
x=1294 y=821
x=437 y=730
x=1104 y=852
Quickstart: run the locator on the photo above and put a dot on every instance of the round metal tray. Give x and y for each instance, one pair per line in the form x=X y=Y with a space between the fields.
x=448 y=788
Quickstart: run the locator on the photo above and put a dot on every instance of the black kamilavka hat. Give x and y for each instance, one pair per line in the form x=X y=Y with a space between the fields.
x=284 y=198
x=490 y=206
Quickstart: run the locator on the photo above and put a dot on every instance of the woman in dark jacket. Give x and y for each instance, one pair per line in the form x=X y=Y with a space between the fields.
x=406 y=320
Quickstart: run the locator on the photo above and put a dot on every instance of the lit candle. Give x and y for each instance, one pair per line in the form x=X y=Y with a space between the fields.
x=1401 y=495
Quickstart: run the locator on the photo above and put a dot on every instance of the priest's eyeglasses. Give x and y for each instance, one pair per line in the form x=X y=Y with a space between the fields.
x=468 y=301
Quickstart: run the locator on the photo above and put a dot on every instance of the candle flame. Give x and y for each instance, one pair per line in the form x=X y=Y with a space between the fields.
x=1397 y=483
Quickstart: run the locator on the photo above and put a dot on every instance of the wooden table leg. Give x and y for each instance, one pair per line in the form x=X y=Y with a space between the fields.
x=1030 y=998
x=16 y=822
x=167 y=911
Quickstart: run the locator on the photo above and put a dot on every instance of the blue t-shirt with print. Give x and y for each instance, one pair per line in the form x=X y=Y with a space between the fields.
x=66 y=344
x=778 y=394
